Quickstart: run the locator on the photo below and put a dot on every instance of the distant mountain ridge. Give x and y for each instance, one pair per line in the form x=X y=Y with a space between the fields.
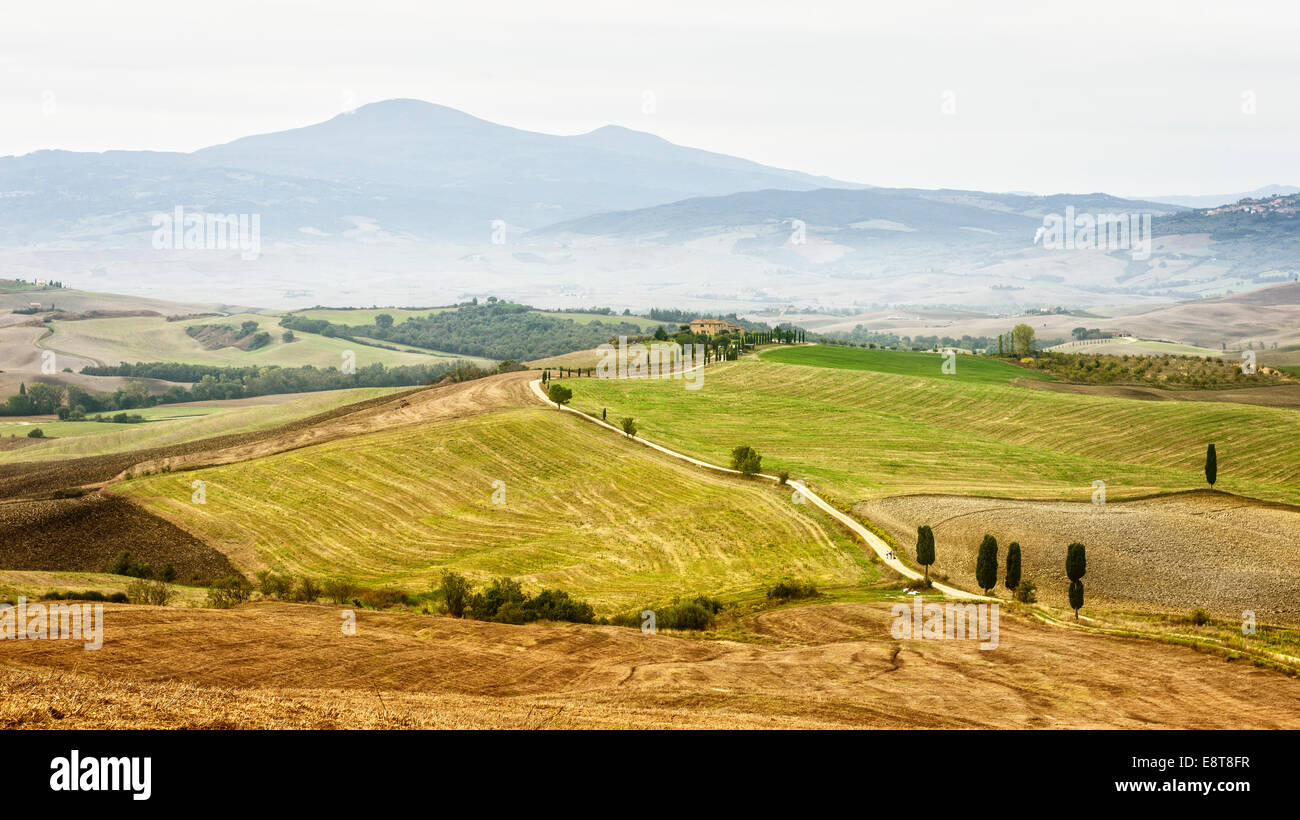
x=389 y=169
x=1216 y=200
x=872 y=214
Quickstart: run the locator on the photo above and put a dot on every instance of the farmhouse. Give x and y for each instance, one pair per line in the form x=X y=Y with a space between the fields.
x=712 y=327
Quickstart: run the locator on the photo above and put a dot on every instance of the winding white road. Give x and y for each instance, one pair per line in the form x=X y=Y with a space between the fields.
x=868 y=537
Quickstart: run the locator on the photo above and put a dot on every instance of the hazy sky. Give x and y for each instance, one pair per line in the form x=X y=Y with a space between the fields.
x=1128 y=97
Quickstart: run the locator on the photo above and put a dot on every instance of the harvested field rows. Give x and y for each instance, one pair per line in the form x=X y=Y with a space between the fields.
x=576 y=509
x=287 y=666
x=863 y=434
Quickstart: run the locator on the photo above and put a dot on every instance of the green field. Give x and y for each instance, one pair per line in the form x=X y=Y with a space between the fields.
x=175 y=424
x=154 y=339
x=32 y=584
x=1141 y=347
x=613 y=318
x=63 y=429
x=584 y=511
x=900 y=363
x=364 y=317
x=867 y=433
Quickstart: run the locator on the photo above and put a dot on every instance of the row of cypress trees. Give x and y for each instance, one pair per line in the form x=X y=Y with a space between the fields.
x=986 y=565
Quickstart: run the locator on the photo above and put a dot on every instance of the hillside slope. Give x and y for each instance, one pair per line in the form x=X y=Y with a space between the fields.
x=620 y=528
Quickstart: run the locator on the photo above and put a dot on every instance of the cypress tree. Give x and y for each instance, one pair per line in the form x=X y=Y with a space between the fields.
x=986 y=565
x=1211 y=465
x=1076 y=565
x=1076 y=561
x=1013 y=566
x=925 y=548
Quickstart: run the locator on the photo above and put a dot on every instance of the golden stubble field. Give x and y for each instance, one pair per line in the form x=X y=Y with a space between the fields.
x=823 y=666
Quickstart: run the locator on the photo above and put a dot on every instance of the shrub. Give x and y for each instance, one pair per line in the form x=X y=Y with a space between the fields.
x=786 y=590
x=145 y=591
x=272 y=585
x=1198 y=617
x=339 y=590
x=783 y=476
x=484 y=605
x=383 y=598
x=697 y=614
x=229 y=592
x=557 y=605
x=123 y=565
x=455 y=590
x=118 y=598
x=308 y=590
x=69 y=492
x=86 y=595
x=168 y=572
x=36 y=432
x=511 y=612
x=1026 y=592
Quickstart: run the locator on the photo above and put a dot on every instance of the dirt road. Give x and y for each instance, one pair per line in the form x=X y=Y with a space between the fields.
x=873 y=541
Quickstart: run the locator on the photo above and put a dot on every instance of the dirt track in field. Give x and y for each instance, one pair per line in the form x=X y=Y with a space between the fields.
x=1204 y=549
x=84 y=534
x=833 y=665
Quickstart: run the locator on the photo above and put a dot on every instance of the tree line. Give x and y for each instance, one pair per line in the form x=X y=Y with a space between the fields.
x=986 y=567
x=495 y=330
x=210 y=382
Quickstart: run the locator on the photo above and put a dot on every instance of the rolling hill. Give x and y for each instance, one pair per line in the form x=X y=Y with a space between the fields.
x=888 y=429
x=620 y=532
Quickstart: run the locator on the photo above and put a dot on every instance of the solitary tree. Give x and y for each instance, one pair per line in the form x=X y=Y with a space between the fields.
x=1013 y=566
x=384 y=320
x=1023 y=337
x=746 y=460
x=925 y=548
x=986 y=565
x=559 y=394
x=1076 y=566
x=1211 y=465
x=629 y=427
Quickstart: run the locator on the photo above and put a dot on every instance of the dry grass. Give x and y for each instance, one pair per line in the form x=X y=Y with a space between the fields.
x=287 y=666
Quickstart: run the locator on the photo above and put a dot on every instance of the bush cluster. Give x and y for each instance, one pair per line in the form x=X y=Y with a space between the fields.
x=504 y=601
x=786 y=590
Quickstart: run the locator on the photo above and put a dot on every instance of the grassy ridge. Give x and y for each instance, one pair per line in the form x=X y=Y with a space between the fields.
x=902 y=363
x=619 y=528
x=869 y=433
x=154 y=339
x=175 y=424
